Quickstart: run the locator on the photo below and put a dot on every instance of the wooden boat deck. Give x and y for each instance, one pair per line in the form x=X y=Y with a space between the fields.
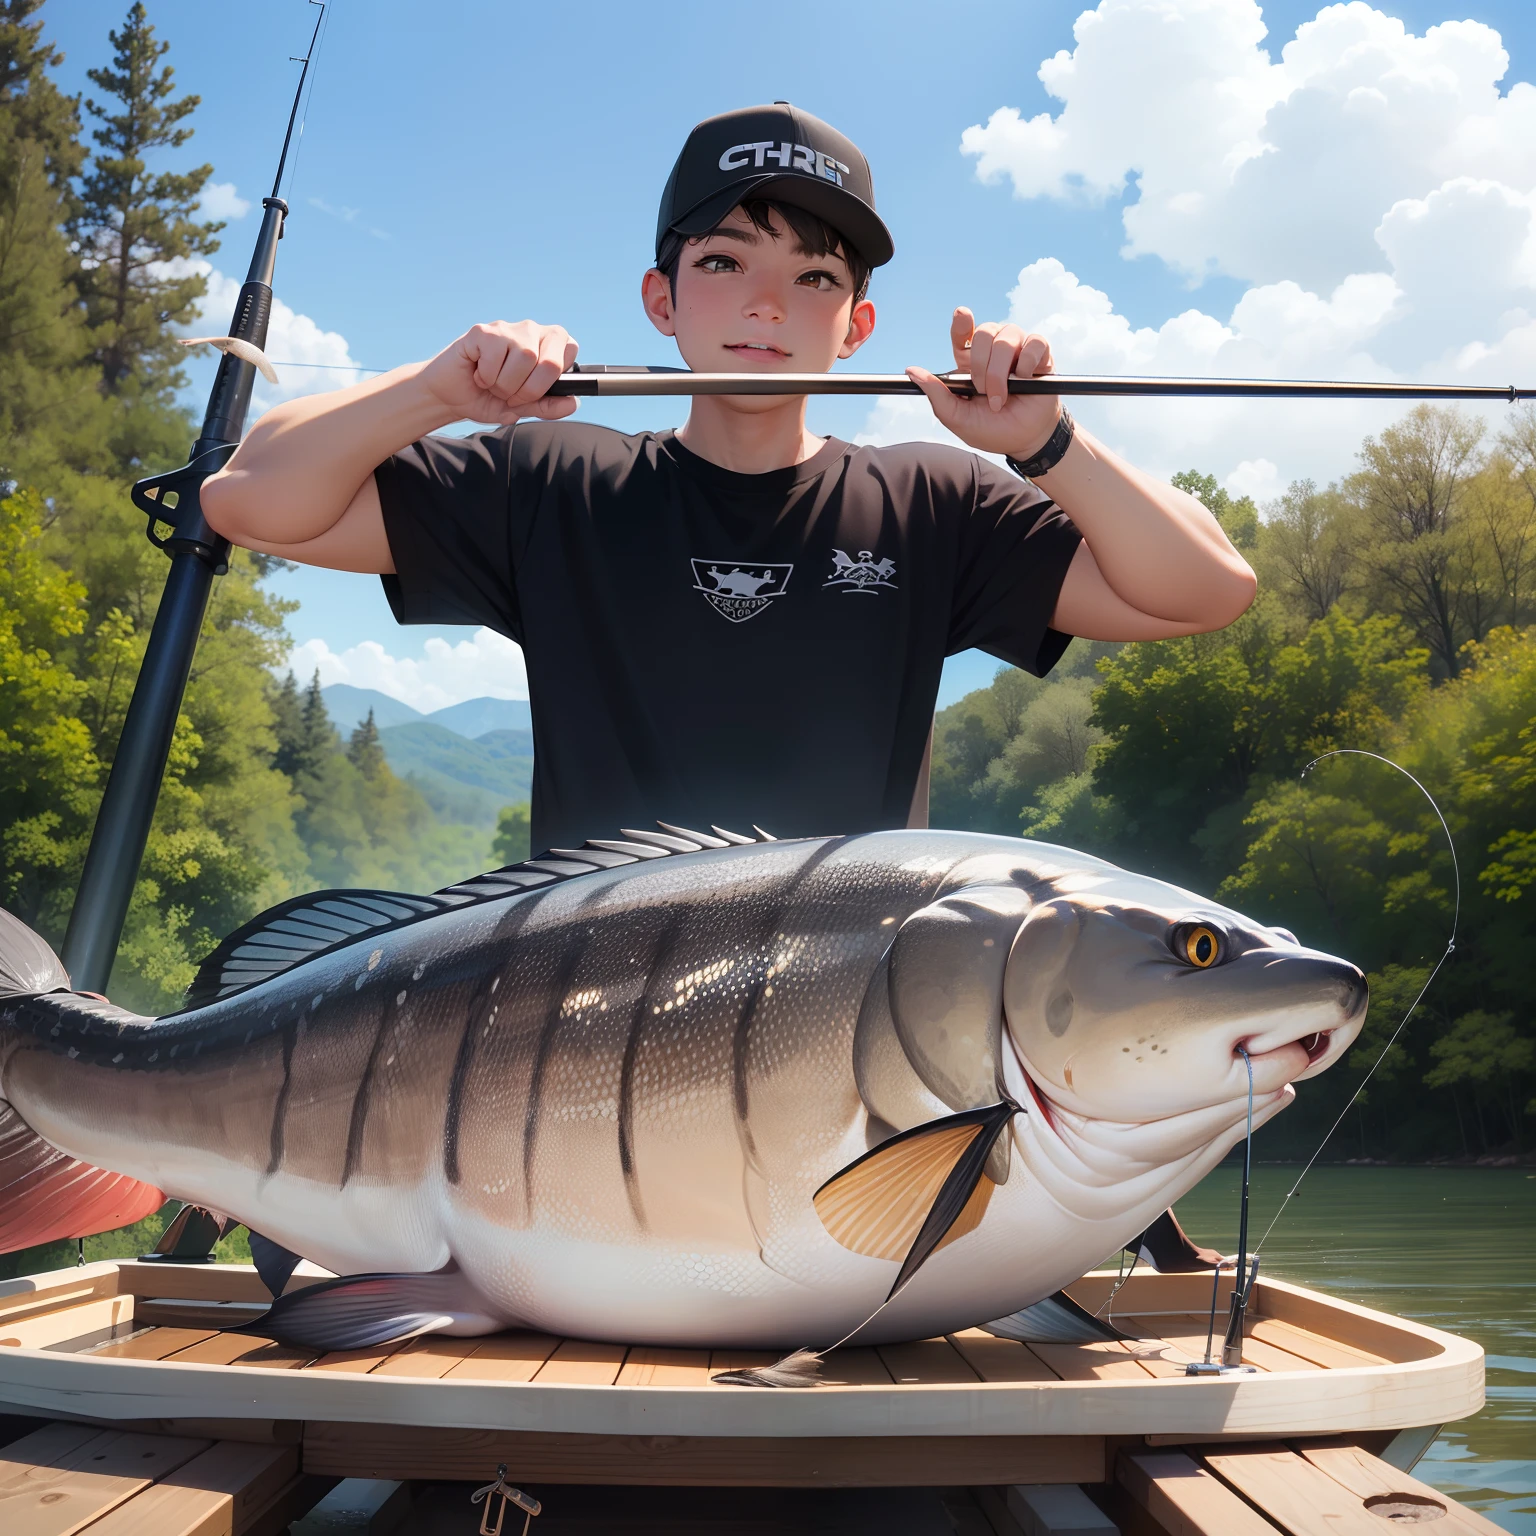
x=145 y=1344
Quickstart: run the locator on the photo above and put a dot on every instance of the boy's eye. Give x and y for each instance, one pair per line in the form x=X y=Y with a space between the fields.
x=821 y=280
x=717 y=264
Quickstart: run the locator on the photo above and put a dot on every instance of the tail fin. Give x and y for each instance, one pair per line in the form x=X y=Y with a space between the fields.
x=46 y=1194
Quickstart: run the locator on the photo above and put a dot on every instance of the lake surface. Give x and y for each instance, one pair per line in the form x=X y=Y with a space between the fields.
x=1452 y=1247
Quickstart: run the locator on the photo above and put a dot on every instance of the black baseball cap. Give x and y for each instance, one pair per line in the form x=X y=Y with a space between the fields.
x=776 y=152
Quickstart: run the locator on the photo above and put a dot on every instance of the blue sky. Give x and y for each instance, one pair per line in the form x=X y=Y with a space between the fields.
x=478 y=160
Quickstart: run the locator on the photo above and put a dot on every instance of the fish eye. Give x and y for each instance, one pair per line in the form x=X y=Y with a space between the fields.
x=1199 y=945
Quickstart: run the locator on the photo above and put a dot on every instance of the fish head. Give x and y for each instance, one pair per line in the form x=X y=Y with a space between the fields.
x=1129 y=1000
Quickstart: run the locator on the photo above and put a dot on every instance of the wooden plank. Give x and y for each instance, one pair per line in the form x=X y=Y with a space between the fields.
x=62 y=1494
x=741 y=1359
x=48 y=1293
x=1184 y=1499
x=153 y=1344
x=216 y=1494
x=1292 y=1492
x=1329 y=1353
x=181 y=1312
x=193 y=1282
x=43 y=1447
x=1382 y=1337
x=53 y=1327
x=353 y=1362
x=583 y=1362
x=397 y=1451
x=857 y=1367
x=664 y=1368
x=258 y=1351
x=926 y=1362
x=995 y=1359
x=429 y=1358
x=1389 y=1494
x=1187 y=1334
x=1089 y=1362
x=291 y=1503
x=514 y=1356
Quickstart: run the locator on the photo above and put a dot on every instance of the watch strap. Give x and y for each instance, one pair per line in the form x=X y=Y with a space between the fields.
x=1051 y=454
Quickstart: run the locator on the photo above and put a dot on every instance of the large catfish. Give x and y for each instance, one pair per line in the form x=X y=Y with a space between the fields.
x=678 y=1089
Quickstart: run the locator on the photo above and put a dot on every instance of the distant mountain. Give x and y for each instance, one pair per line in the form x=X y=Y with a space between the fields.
x=463 y=780
x=348 y=707
x=474 y=717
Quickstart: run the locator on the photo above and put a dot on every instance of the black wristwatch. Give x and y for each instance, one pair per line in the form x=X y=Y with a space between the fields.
x=1050 y=455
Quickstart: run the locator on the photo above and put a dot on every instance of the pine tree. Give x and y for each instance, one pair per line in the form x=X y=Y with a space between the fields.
x=30 y=102
x=364 y=751
x=317 y=736
x=45 y=376
x=132 y=224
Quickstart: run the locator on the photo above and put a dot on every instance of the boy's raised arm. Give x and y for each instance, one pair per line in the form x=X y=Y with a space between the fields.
x=301 y=484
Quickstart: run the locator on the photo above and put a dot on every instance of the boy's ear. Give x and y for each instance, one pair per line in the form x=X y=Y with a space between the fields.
x=656 y=297
x=861 y=321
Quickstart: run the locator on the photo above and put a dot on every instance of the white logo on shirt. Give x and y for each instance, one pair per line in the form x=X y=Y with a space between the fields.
x=861 y=575
x=738 y=591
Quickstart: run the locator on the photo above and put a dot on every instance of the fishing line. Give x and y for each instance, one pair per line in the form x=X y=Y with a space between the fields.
x=311 y=58
x=1242 y=1220
x=1450 y=947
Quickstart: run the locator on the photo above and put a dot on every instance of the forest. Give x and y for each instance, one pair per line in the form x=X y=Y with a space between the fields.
x=1396 y=617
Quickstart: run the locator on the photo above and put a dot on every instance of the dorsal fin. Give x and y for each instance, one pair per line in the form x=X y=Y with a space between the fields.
x=305 y=927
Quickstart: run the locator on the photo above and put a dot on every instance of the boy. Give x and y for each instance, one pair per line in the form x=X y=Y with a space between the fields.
x=737 y=622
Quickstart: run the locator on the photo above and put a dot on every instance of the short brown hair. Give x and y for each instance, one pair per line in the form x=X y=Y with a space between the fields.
x=814 y=236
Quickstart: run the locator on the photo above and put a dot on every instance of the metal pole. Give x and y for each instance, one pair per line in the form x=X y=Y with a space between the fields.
x=172 y=502
x=198 y=554
x=608 y=380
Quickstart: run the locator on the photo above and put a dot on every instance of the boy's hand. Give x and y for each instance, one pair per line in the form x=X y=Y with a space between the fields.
x=500 y=372
x=993 y=420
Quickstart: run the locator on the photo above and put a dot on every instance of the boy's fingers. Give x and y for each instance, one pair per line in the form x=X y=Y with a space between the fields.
x=961 y=325
x=977 y=358
x=549 y=408
x=512 y=380
x=488 y=352
x=1000 y=364
x=945 y=406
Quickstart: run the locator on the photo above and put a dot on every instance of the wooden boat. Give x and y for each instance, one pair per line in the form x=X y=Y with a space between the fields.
x=144 y=1347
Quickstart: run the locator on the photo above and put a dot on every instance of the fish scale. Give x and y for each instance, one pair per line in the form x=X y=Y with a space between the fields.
x=599 y=1095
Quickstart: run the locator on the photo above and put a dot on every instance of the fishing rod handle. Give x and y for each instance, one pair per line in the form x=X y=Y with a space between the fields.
x=609 y=380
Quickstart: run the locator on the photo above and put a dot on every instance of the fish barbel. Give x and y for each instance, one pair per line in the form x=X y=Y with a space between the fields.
x=678 y=1089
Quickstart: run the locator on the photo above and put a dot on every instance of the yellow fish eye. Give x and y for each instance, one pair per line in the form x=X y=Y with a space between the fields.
x=1201 y=947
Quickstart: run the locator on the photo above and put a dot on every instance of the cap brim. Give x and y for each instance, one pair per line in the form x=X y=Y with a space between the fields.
x=850 y=216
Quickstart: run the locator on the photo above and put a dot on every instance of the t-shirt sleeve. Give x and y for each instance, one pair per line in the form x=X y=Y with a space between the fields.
x=447 y=504
x=1015 y=547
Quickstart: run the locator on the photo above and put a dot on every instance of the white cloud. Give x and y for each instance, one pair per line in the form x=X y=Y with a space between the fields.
x=1257 y=478
x=1375 y=188
x=487 y=664
x=221 y=201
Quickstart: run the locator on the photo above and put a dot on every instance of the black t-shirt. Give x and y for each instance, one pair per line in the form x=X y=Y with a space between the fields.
x=710 y=647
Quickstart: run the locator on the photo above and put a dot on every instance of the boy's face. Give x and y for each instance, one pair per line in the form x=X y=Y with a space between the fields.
x=746 y=301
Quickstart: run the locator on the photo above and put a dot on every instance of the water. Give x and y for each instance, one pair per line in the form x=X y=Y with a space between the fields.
x=1452 y=1247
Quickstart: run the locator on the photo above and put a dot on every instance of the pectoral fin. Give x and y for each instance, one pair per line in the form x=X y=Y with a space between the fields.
x=906 y=1198
x=1056 y=1320
x=1167 y=1247
x=274 y=1263
x=365 y=1311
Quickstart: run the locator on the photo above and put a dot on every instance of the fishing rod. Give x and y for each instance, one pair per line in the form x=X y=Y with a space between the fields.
x=172 y=502
x=607 y=380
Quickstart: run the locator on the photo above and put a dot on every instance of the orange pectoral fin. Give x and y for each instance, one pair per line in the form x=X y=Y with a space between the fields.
x=908 y=1197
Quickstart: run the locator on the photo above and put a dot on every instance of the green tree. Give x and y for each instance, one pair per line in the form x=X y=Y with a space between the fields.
x=48 y=769
x=1305 y=549
x=1238 y=516
x=363 y=750
x=513 y=831
x=137 y=229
